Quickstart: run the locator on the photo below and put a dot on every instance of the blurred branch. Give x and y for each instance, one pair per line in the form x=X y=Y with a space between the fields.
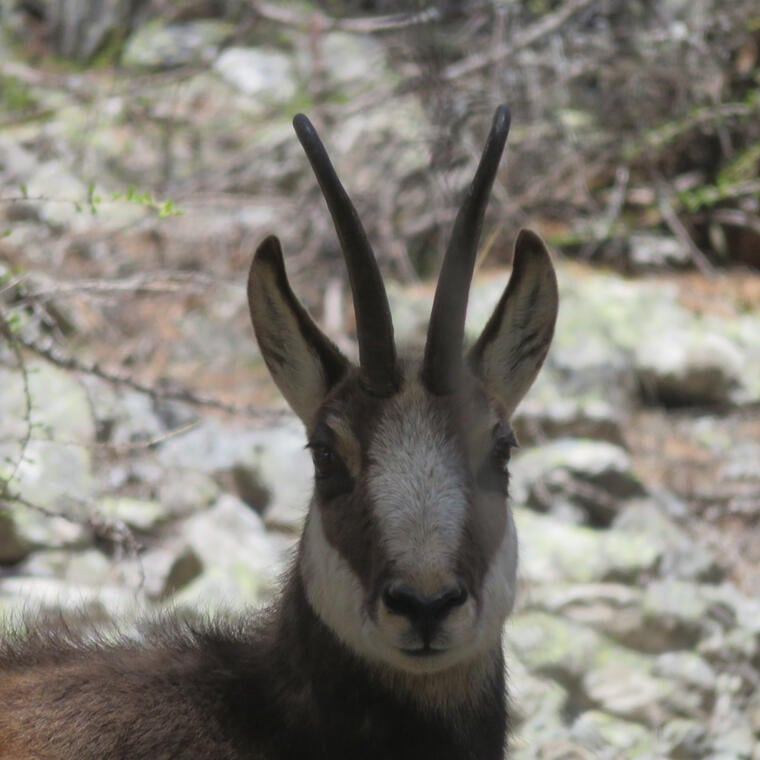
x=7 y=331
x=662 y=135
x=614 y=207
x=48 y=350
x=110 y=529
x=173 y=282
x=678 y=229
x=548 y=24
x=113 y=530
x=392 y=22
x=736 y=218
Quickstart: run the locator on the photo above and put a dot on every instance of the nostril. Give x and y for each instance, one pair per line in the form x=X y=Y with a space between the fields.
x=404 y=600
x=451 y=598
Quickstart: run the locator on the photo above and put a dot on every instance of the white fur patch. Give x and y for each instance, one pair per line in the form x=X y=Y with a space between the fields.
x=333 y=590
x=418 y=489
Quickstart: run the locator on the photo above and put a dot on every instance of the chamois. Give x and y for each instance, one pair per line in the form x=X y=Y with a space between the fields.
x=386 y=639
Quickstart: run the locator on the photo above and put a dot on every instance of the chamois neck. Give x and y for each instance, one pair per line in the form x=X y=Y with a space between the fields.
x=320 y=654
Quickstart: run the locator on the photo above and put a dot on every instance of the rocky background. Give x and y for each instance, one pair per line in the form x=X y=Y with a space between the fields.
x=147 y=461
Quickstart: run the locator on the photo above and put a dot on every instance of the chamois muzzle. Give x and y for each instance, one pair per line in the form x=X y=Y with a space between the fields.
x=426 y=613
x=442 y=364
x=374 y=327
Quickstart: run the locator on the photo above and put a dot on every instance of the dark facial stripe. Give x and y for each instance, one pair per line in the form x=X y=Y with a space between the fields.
x=348 y=520
x=486 y=521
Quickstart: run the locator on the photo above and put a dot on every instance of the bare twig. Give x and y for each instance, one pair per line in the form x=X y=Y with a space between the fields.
x=46 y=348
x=678 y=229
x=548 y=24
x=734 y=217
x=7 y=332
x=171 y=282
x=614 y=207
x=113 y=530
x=393 y=22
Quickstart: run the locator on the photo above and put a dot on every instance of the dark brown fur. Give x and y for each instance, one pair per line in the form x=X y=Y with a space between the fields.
x=281 y=687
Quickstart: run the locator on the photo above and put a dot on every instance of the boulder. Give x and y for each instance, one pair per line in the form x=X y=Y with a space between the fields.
x=552 y=551
x=269 y=467
x=139 y=514
x=682 y=556
x=159 y=45
x=689 y=367
x=350 y=63
x=595 y=475
x=537 y=420
x=610 y=608
x=266 y=74
x=551 y=647
x=241 y=564
x=605 y=736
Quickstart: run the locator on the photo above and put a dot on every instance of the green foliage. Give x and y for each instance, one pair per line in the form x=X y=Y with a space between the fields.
x=163 y=208
x=301 y=102
x=743 y=168
x=109 y=53
x=14 y=95
x=706 y=196
x=94 y=200
x=665 y=134
x=13 y=322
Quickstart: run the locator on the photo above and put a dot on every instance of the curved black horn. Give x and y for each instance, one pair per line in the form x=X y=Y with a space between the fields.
x=374 y=328
x=442 y=364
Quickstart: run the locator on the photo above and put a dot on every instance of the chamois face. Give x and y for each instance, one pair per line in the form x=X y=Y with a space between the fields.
x=410 y=510
x=409 y=551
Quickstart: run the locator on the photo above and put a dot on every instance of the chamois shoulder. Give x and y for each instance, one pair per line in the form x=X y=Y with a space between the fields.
x=27 y=642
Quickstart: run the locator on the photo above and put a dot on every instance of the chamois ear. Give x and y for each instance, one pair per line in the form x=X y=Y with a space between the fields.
x=303 y=362
x=513 y=345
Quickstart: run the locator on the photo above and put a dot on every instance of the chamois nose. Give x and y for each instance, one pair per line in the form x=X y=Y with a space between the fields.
x=424 y=612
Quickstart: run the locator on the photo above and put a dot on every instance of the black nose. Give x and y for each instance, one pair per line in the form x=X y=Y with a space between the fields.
x=425 y=613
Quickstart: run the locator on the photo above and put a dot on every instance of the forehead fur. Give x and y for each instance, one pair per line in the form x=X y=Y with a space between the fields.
x=353 y=416
x=418 y=483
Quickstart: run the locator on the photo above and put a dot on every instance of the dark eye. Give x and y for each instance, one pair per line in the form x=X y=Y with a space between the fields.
x=503 y=442
x=327 y=463
x=331 y=476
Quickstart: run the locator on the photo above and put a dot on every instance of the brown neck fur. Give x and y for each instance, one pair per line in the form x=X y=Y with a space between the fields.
x=277 y=687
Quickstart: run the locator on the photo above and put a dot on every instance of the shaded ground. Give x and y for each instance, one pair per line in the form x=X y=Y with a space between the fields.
x=670 y=449
x=709 y=458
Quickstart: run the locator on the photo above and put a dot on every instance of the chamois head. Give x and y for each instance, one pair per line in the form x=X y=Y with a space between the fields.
x=409 y=552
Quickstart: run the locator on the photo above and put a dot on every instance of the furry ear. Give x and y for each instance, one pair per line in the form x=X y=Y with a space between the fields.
x=303 y=362
x=513 y=345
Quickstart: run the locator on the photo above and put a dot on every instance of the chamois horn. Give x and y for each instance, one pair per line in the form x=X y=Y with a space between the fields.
x=374 y=327
x=442 y=364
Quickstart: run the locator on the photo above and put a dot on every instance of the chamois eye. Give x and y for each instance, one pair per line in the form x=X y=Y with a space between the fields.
x=326 y=462
x=503 y=442
x=501 y=453
x=494 y=475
